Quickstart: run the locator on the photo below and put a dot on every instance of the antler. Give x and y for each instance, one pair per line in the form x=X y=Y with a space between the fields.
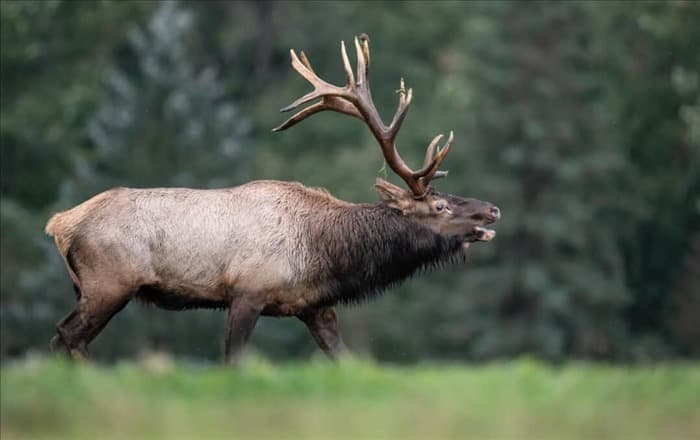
x=355 y=99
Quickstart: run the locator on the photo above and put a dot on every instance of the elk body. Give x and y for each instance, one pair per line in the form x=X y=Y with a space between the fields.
x=265 y=248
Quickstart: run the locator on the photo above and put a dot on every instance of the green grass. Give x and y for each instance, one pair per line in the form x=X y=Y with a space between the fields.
x=160 y=399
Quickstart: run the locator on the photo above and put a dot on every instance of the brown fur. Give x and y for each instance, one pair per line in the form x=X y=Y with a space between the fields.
x=63 y=225
x=263 y=248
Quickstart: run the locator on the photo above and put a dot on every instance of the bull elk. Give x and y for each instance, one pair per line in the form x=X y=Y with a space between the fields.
x=266 y=248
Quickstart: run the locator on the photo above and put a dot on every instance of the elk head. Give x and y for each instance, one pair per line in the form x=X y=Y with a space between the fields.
x=445 y=214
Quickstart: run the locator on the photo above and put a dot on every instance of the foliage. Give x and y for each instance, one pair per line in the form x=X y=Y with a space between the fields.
x=653 y=78
x=553 y=284
x=519 y=400
x=580 y=120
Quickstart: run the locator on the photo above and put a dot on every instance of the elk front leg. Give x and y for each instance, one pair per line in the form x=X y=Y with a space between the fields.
x=323 y=325
x=242 y=316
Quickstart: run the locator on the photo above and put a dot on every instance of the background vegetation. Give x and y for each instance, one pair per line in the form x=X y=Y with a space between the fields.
x=580 y=120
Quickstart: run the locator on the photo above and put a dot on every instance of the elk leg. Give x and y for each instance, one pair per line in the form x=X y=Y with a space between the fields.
x=70 y=332
x=82 y=325
x=323 y=325
x=57 y=343
x=242 y=316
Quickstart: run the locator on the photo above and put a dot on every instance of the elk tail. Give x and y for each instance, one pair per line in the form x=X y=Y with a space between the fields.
x=63 y=225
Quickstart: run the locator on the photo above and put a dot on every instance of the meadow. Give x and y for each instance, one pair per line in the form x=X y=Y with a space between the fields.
x=158 y=398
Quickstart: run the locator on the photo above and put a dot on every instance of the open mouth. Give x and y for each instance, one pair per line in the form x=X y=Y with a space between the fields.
x=484 y=234
x=479 y=233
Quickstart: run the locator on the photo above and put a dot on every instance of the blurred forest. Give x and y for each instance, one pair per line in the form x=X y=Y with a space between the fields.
x=581 y=120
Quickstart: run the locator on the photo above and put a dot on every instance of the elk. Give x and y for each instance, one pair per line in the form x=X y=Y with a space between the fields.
x=266 y=248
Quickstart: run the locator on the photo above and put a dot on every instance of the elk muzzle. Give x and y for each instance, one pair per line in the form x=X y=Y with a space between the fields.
x=479 y=233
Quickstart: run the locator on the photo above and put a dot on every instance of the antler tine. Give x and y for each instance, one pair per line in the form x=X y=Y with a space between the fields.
x=362 y=59
x=430 y=158
x=405 y=97
x=305 y=61
x=327 y=103
x=433 y=165
x=429 y=155
x=346 y=65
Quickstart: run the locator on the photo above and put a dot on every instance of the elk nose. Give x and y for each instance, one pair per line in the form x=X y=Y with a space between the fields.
x=495 y=212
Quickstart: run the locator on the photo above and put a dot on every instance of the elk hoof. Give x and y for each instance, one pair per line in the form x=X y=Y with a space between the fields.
x=57 y=345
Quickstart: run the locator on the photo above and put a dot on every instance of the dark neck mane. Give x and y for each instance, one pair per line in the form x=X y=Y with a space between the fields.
x=365 y=249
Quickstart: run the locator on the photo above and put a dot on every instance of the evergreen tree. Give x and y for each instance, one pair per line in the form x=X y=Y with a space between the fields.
x=651 y=73
x=553 y=284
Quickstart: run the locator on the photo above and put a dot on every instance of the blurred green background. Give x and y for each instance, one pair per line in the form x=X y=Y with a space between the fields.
x=580 y=120
x=524 y=400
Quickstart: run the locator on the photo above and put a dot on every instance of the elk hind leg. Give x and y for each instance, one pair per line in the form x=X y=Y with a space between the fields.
x=82 y=325
x=57 y=343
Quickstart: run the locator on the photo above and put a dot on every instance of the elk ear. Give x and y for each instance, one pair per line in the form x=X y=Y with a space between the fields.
x=394 y=196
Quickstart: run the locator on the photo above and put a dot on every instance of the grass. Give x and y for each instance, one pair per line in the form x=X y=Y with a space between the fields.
x=159 y=399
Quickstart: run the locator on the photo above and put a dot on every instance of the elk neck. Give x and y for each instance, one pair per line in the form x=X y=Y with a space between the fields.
x=364 y=249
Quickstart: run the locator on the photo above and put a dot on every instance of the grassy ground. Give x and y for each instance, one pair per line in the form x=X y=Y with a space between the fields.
x=157 y=399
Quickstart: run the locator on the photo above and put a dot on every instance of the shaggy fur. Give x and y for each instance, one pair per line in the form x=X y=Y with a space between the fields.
x=370 y=248
x=264 y=248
